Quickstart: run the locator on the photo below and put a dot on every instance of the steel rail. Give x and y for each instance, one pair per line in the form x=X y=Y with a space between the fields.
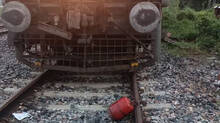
x=3 y=29
x=138 y=111
x=13 y=102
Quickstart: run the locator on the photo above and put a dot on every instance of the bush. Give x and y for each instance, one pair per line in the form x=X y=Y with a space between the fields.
x=209 y=31
x=190 y=25
x=187 y=13
x=206 y=43
x=183 y=28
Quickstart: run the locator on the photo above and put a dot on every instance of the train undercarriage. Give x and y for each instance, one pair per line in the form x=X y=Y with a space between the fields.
x=84 y=35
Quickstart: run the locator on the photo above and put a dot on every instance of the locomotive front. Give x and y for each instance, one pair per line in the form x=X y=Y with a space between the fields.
x=84 y=35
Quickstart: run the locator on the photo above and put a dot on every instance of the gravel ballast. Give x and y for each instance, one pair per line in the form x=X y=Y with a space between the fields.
x=13 y=74
x=188 y=86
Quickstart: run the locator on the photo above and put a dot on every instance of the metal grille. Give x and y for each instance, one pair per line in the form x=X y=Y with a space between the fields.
x=94 y=51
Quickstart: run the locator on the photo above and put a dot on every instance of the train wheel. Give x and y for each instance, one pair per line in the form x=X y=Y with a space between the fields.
x=156 y=44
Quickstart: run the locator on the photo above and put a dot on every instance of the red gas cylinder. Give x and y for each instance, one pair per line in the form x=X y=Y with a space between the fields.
x=121 y=108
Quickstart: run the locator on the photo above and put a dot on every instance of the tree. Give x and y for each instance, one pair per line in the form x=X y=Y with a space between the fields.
x=198 y=4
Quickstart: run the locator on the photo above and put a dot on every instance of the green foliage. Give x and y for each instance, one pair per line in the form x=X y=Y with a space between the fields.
x=200 y=27
x=183 y=30
x=183 y=48
x=197 y=4
x=182 y=25
x=187 y=13
x=209 y=31
x=206 y=43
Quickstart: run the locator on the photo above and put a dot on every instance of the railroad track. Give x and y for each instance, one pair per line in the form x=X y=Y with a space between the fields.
x=153 y=98
x=12 y=103
x=3 y=30
x=69 y=95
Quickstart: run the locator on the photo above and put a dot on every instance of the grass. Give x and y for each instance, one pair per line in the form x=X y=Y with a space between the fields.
x=183 y=49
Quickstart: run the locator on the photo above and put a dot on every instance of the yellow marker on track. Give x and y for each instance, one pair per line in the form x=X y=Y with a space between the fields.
x=37 y=64
x=134 y=64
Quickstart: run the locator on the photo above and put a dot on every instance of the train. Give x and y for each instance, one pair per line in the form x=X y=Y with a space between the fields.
x=84 y=35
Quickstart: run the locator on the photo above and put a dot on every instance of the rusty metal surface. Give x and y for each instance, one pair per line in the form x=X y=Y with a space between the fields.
x=82 y=35
x=54 y=30
x=165 y=3
x=89 y=16
x=73 y=19
x=138 y=111
x=90 y=70
x=129 y=34
x=13 y=101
